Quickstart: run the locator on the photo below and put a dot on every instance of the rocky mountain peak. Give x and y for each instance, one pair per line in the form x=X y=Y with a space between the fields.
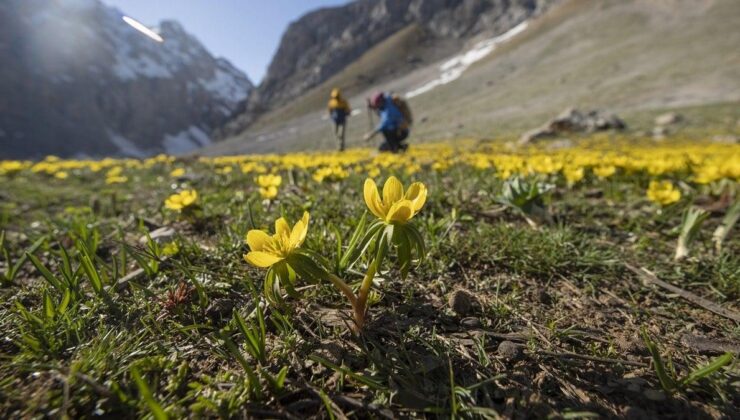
x=100 y=87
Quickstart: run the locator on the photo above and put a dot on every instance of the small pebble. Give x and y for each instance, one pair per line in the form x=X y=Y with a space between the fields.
x=462 y=302
x=509 y=351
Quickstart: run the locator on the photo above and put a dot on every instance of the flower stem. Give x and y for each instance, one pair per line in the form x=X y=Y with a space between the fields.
x=344 y=288
x=361 y=305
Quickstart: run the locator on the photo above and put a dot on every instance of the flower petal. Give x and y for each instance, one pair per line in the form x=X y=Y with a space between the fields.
x=257 y=239
x=298 y=234
x=261 y=259
x=400 y=212
x=282 y=228
x=417 y=194
x=392 y=191
x=372 y=199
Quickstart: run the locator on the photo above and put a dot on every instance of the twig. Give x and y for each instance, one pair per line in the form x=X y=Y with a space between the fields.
x=124 y=281
x=571 y=355
x=649 y=277
x=356 y=405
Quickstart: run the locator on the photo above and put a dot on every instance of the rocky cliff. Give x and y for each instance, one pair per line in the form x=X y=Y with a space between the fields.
x=76 y=80
x=323 y=42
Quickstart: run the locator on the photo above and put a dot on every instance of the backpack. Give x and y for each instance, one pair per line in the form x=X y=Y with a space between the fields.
x=403 y=106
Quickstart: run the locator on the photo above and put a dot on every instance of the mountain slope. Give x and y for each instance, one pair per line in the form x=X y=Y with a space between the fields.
x=77 y=80
x=323 y=43
x=628 y=56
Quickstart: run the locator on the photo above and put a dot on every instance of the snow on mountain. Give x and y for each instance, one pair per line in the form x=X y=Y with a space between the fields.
x=77 y=79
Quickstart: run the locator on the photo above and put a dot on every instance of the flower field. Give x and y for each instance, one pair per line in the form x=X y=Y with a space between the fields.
x=463 y=279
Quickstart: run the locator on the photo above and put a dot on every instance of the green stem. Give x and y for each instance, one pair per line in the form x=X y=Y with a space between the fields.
x=344 y=288
x=361 y=305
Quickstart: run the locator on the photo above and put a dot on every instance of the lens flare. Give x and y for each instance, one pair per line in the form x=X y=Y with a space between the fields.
x=143 y=29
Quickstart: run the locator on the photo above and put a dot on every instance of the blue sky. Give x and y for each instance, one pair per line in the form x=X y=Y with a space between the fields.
x=246 y=32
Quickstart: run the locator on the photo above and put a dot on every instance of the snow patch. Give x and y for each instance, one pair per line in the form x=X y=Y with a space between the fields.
x=453 y=68
x=126 y=146
x=226 y=86
x=185 y=141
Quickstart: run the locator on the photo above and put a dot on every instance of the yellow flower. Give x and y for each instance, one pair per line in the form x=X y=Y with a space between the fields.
x=177 y=173
x=182 y=200
x=266 y=181
x=395 y=206
x=266 y=250
x=224 y=170
x=61 y=175
x=663 y=192
x=573 y=174
x=117 y=179
x=269 y=192
x=604 y=171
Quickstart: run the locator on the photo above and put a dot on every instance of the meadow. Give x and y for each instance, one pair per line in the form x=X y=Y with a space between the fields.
x=460 y=280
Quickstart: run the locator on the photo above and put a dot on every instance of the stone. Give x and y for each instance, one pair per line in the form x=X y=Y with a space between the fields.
x=670 y=118
x=573 y=120
x=509 y=351
x=463 y=302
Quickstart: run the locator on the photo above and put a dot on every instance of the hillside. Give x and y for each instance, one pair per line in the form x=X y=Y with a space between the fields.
x=631 y=57
x=76 y=80
x=325 y=43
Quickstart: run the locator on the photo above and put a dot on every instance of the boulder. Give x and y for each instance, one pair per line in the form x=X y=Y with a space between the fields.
x=670 y=118
x=573 y=120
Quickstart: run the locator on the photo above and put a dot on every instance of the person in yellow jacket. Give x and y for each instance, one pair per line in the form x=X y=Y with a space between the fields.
x=339 y=110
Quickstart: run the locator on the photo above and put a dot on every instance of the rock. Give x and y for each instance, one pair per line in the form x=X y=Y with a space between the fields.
x=654 y=395
x=574 y=121
x=462 y=302
x=660 y=132
x=669 y=118
x=509 y=351
x=726 y=139
x=470 y=322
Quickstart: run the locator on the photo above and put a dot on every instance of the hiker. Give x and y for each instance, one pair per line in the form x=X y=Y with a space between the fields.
x=395 y=121
x=339 y=110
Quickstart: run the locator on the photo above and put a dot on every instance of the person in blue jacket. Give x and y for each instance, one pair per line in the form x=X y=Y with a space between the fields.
x=394 y=124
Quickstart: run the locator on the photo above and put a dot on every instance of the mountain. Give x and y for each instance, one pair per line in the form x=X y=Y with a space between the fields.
x=76 y=80
x=633 y=57
x=323 y=43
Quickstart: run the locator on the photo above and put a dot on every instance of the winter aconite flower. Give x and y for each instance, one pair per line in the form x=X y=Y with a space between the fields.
x=396 y=206
x=266 y=250
x=177 y=172
x=182 y=200
x=663 y=193
x=269 y=185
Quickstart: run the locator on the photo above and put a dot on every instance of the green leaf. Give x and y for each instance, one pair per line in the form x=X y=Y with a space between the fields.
x=146 y=394
x=707 y=370
x=64 y=303
x=53 y=281
x=92 y=274
x=666 y=381
x=49 y=310
x=22 y=260
x=254 y=384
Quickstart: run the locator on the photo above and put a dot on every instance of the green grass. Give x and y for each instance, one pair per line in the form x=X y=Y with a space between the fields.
x=188 y=337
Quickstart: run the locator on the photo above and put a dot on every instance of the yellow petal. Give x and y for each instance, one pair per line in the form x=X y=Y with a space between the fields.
x=261 y=259
x=400 y=212
x=392 y=191
x=417 y=194
x=257 y=239
x=372 y=199
x=298 y=235
x=282 y=228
